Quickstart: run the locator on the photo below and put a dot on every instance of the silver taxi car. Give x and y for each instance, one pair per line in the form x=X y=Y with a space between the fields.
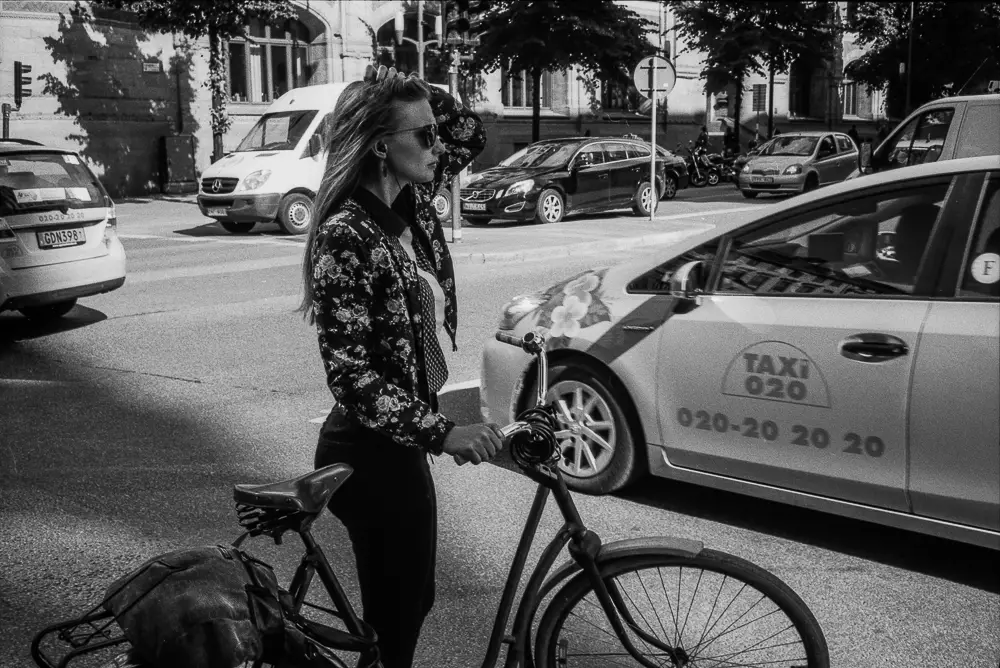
x=798 y=162
x=840 y=352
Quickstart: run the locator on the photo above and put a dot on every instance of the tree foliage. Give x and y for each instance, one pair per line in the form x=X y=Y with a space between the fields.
x=603 y=39
x=738 y=37
x=219 y=20
x=956 y=45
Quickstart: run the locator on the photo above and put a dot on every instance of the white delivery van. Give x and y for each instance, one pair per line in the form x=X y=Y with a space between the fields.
x=275 y=172
x=952 y=127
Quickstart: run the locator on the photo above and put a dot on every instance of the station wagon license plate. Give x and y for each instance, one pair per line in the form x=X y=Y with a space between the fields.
x=217 y=211
x=761 y=179
x=473 y=206
x=61 y=238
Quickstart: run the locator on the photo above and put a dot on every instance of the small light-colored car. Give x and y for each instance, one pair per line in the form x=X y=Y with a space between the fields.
x=798 y=162
x=841 y=352
x=58 y=231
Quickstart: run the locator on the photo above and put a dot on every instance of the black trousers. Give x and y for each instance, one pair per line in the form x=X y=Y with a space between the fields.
x=389 y=508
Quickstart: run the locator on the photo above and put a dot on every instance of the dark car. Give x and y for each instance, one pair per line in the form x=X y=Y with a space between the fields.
x=548 y=179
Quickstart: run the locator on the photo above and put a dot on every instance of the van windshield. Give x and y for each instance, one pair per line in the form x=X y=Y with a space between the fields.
x=277 y=132
x=46 y=182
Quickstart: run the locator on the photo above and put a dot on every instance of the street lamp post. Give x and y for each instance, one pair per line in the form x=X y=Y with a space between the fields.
x=419 y=42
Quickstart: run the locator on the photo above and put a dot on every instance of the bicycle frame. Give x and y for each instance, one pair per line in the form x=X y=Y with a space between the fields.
x=583 y=544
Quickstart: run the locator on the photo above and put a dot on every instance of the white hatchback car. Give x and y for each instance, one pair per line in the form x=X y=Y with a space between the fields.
x=839 y=352
x=58 y=231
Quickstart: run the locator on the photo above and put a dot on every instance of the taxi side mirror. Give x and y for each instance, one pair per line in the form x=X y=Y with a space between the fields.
x=688 y=283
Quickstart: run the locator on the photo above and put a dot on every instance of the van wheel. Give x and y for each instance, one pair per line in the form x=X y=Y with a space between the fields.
x=48 y=312
x=236 y=228
x=643 y=200
x=295 y=213
x=442 y=205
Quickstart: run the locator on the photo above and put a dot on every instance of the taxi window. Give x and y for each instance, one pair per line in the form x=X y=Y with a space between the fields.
x=981 y=276
x=591 y=155
x=47 y=181
x=921 y=140
x=871 y=245
x=615 y=152
x=657 y=279
x=637 y=151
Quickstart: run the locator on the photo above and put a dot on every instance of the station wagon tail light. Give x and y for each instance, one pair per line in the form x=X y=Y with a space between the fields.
x=791 y=170
x=521 y=187
x=111 y=225
x=518 y=307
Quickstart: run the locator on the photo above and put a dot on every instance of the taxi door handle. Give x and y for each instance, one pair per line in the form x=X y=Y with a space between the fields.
x=873 y=347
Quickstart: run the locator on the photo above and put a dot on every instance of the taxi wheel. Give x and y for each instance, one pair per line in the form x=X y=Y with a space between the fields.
x=48 y=312
x=596 y=435
x=550 y=208
x=236 y=228
x=295 y=213
x=669 y=188
x=643 y=199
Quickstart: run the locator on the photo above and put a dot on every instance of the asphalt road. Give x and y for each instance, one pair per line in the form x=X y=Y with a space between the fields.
x=123 y=430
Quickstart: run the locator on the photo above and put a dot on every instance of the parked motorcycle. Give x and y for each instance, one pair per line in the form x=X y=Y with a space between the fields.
x=699 y=172
x=718 y=167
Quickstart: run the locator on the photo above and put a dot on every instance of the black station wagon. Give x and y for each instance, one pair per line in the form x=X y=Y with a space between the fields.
x=549 y=179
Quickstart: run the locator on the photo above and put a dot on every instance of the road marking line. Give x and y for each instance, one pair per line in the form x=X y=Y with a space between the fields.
x=239 y=242
x=227 y=268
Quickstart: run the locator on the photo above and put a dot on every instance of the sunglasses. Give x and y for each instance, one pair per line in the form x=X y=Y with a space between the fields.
x=428 y=134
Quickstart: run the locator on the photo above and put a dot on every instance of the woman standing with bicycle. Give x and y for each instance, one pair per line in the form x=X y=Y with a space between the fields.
x=379 y=283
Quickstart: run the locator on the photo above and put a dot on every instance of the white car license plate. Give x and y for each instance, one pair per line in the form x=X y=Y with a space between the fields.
x=61 y=238
x=761 y=179
x=473 y=206
x=217 y=211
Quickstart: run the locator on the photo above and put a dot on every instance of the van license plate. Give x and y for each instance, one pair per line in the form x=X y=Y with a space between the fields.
x=473 y=206
x=217 y=211
x=61 y=238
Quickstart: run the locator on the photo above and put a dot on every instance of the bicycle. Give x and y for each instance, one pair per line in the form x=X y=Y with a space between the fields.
x=596 y=614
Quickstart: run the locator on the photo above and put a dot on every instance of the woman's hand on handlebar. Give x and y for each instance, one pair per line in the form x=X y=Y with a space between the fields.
x=476 y=443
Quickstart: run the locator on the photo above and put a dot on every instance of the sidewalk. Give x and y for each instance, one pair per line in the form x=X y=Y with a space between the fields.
x=177 y=216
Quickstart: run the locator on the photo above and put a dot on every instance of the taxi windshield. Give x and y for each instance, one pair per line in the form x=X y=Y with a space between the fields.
x=541 y=155
x=45 y=182
x=277 y=132
x=800 y=146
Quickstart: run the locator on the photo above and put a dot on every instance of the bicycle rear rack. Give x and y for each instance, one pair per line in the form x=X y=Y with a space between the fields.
x=94 y=639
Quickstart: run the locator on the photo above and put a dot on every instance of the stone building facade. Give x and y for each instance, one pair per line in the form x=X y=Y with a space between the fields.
x=113 y=92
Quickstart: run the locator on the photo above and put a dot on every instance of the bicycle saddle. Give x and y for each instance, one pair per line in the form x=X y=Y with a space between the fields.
x=307 y=493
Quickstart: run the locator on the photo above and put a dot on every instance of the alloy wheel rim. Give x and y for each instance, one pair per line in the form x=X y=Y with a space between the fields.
x=646 y=197
x=551 y=208
x=670 y=189
x=587 y=432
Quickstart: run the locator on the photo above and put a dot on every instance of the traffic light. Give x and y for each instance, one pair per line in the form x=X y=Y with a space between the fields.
x=21 y=82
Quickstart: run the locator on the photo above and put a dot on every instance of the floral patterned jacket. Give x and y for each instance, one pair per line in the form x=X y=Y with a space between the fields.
x=366 y=295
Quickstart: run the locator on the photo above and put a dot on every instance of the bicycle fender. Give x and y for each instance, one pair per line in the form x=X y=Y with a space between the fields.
x=625 y=548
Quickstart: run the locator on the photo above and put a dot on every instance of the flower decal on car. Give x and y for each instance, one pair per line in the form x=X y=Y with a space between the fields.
x=575 y=304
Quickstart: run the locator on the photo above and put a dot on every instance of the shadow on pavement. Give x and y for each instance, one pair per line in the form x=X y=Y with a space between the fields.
x=212 y=228
x=965 y=564
x=15 y=327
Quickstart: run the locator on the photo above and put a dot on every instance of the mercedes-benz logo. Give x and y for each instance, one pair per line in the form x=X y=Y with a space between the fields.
x=216 y=185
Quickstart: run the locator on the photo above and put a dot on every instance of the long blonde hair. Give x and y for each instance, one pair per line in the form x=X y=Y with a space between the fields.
x=364 y=113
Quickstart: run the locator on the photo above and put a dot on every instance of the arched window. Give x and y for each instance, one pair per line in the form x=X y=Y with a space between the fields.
x=274 y=60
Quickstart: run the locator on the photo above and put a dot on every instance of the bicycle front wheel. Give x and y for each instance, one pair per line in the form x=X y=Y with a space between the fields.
x=713 y=609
